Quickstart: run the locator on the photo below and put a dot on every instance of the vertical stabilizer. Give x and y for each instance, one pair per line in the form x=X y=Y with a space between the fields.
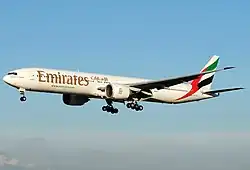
x=204 y=83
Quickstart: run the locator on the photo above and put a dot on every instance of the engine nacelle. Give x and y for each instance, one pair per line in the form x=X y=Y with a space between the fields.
x=74 y=100
x=116 y=91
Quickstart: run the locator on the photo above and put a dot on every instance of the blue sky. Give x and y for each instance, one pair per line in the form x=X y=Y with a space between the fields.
x=151 y=39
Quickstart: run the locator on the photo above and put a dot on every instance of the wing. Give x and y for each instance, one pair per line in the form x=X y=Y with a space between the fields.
x=222 y=90
x=161 y=84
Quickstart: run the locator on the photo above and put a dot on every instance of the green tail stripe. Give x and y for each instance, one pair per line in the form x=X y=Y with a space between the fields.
x=212 y=66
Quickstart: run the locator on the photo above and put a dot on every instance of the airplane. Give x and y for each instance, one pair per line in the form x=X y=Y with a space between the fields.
x=78 y=88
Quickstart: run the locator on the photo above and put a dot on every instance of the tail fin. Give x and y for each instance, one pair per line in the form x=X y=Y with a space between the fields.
x=204 y=82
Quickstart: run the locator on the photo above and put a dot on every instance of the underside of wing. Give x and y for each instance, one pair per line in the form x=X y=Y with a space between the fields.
x=161 y=84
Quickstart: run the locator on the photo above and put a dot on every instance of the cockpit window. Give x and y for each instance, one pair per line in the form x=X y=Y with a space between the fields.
x=12 y=73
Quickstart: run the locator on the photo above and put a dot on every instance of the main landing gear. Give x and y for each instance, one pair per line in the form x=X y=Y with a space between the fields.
x=135 y=106
x=22 y=93
x=110 y=108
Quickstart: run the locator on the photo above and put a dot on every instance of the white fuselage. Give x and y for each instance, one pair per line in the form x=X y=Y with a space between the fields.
x=62 y=81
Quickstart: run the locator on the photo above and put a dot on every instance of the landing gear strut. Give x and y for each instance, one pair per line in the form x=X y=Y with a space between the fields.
x=22 y=93
x=110 y=108
x=135 y=106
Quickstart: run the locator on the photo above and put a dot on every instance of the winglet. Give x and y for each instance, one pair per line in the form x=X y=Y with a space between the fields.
x=227 y=68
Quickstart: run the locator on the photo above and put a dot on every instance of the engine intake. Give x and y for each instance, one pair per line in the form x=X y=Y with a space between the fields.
x=116 y=91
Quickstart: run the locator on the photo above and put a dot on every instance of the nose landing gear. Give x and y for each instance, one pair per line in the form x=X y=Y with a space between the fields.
x=22 y=93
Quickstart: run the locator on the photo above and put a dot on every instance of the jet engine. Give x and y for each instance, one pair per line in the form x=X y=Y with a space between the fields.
x=119 y=92
x=74 y=100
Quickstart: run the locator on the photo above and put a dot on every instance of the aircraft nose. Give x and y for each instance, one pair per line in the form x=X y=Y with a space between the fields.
x=5 y=78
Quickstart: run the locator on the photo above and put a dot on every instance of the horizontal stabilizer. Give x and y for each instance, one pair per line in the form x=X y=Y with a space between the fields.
x=222 y=90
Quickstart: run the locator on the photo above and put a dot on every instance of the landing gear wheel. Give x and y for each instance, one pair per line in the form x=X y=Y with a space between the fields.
x=23 y=99
x=140 y=107
x=104 y=108
x=135 y=106
x=114 y=110
x=132 y=105
x=110 y=109
x=128 y=105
